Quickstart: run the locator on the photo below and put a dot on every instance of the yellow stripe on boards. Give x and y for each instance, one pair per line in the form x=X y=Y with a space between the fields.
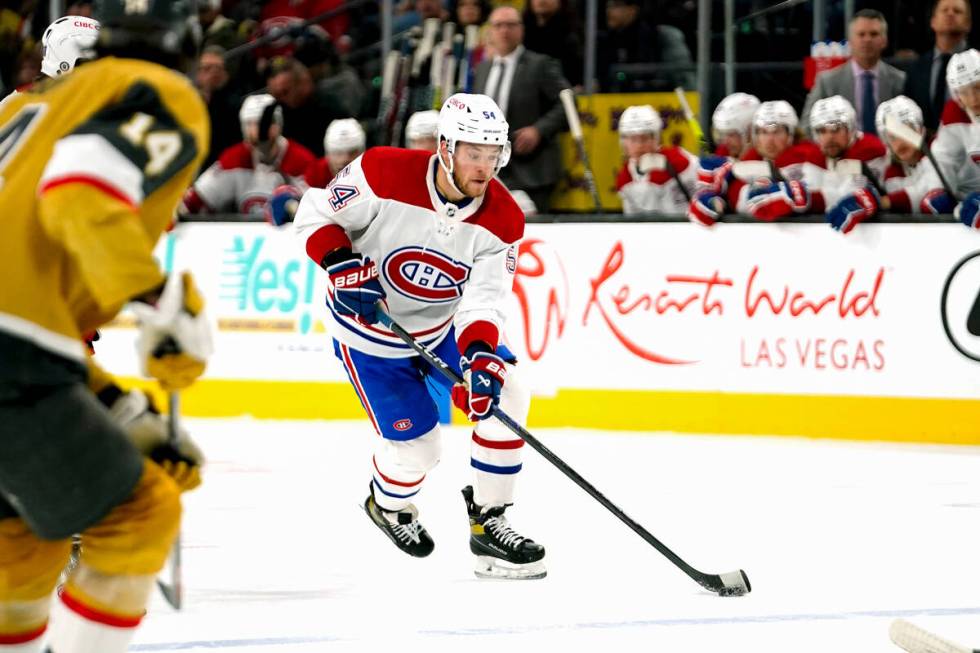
x=896 y=419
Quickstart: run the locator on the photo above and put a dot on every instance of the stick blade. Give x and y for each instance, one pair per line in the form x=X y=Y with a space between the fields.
x=899 y=129
x=911 y=638
x=171 y=594
x=734 y=583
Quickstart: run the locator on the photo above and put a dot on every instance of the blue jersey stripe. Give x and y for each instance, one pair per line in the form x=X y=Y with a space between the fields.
x=392 y=494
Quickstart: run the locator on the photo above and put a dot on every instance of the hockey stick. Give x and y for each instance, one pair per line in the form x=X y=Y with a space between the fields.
x=734 y=583
x=575 y=127
x=692 y=122
x=898 y=129
x=173 y=591
x=913 y=639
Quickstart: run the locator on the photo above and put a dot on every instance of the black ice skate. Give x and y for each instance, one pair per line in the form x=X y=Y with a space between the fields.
x=402 y=527
x=500 y=551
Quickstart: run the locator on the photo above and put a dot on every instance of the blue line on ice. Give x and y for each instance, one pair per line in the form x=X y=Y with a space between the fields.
x=464 y=632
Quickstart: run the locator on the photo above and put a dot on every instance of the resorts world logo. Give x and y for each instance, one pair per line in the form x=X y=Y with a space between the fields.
x=960 y=306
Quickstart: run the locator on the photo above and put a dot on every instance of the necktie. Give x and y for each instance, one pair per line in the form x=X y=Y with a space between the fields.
x=938 y=94
x=498 y=73
x=868 y=104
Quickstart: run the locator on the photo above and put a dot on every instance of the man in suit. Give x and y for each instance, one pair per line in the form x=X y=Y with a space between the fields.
x=865 y=80
x=926 y=80
x=525 y=86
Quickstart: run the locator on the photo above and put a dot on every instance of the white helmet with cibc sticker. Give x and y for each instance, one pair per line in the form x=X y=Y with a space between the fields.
x=834 y=110
x=734 y=114
x=903 y=108
x=67 y=41
x=775 y=112
x=344 y=135
x=473 y=118
x=422 y=124
x=640 y=119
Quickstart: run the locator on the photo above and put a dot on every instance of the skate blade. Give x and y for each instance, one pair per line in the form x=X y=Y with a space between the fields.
x=497 y=569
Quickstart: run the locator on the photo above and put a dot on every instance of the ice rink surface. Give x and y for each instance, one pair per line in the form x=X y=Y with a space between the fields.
x=837 y=539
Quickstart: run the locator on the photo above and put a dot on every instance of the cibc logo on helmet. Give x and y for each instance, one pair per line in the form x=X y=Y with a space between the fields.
x=960 y=306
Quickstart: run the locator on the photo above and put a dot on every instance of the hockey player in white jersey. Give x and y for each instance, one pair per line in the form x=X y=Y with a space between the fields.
x=957 y=144
x=654 y=178
x=433 y=239
x=246 y=174
x=422 y=131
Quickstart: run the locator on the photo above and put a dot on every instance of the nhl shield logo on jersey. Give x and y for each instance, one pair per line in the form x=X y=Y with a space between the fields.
x=425 y=275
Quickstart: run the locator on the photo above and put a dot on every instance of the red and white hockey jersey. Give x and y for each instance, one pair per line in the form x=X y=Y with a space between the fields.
x=657 y=191
x=440 y=264
x=957 y=149
x=908 y=185
x=866 y=156
x=318 y=174
x=799 y=162
x=239 y=182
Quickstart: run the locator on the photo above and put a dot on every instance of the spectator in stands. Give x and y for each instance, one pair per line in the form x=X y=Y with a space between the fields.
x=422 y=130
x=217 y=29
x=865 y=80
x=473 y=12
x=211 y=79
x=631 y=38
x=246 y=174
x=654 y=178
x=525 y=86
x=332 y=77
x=307 y=108
x=344 y=142
x=925 y=82
x=336 y=26
x=415 y=12
x=551 y=28
x=82 y=8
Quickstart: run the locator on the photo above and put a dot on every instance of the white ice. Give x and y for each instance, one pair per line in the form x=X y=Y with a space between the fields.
x=837 y=539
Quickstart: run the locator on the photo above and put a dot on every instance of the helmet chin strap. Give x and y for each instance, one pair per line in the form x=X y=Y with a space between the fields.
x=450 y=169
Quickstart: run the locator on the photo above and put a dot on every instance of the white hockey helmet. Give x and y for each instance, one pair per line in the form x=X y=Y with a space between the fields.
x=473 y=118
x=640 y=119
x=834 y=110
x=65 y=42
x=344 y=135
x=775 y=112
x=734 y=114
x=963 y=69
x=255 y=106
x=422 y=124
x=903 y=108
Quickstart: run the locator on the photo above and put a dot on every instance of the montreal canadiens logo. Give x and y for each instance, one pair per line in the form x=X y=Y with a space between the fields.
x=425 y=275
x=403 y=425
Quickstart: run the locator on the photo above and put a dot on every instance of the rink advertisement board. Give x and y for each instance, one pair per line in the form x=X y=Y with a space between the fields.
x=743 y=328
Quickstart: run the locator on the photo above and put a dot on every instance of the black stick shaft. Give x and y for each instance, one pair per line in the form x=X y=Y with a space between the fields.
x=705 y=580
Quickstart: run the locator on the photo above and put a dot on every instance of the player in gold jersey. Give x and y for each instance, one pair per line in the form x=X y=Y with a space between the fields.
x=92 y=166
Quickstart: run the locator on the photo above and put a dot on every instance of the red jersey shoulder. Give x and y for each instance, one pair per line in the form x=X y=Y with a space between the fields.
x=866 y=148
x=894 y=171
x=499 y=214
x=318 y=174
x=752 y=155
x=296 y=159
x=722 y=150
x=809 y=152
x=953 y=113
x=678 y=157
x=236 y=157
x=398 y=174
x=624 y=177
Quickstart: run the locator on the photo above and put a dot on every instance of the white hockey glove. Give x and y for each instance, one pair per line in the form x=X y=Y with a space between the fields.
x=174 y=342
x=149 y=431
